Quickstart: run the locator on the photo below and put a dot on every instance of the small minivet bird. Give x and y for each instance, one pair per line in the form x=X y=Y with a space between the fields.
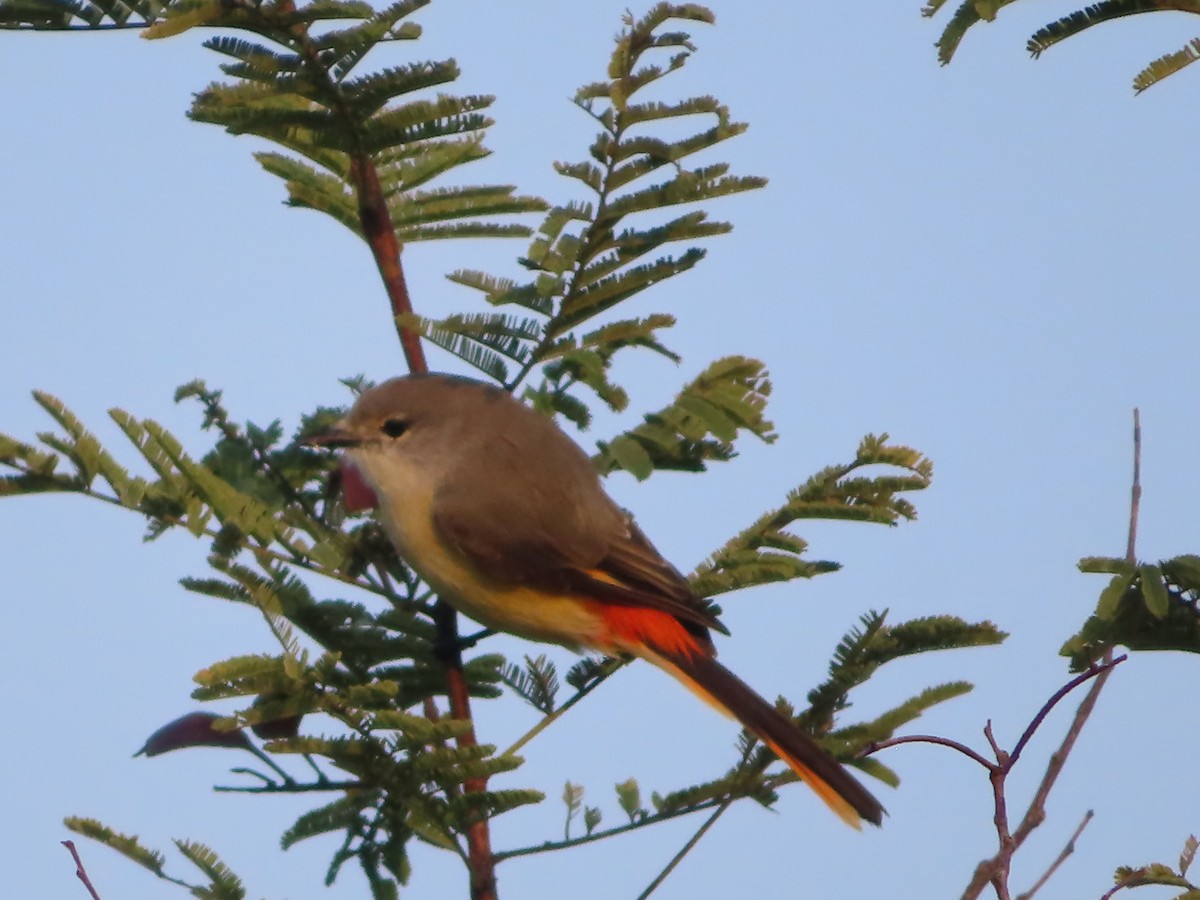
x=504 y=516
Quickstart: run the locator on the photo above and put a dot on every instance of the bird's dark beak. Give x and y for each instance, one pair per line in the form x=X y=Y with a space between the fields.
x=335 y=437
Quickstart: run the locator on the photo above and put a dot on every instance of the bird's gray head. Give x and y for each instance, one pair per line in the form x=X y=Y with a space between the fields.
x=412 y=410
x=420 y=434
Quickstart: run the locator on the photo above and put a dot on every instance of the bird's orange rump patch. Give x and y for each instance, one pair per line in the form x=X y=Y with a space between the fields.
x=631 y=627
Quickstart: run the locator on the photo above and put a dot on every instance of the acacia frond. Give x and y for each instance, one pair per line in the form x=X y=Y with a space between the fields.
x=125 y=844
x=84 y=451
x=698 y=426
x=420 y=208
x=370 y=93
x=419 y=120
x=586 y=673
x=314 y=190
x=615 y=336
x=224 y=884
x=71 y=15
x=344 y=813
x=654 y=110
x=1167 y=65
x=491 y=286
x=1143 y=607
x=586 y=259
x=473 y=805
x=255 y=55
x=459 y=764
x=184 y=15
x=686 y=187
x=407 y=167
x=621 y=249
x=765 y=552
x=345 y=48
x=884 y=726
x=243 y=676
x=604 y=293
x=870 y=645
x=301 y=95
x=650 y=154
x=537 y=683
x=734 y=784
x=970 y=12
x=484 y=340
x=1104 y=11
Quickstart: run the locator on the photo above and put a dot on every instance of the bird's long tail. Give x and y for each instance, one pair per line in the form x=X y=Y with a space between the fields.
x=719 y=687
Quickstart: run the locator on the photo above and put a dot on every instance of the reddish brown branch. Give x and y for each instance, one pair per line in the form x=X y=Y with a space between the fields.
x=80 y=871
x=380 y=233
x=480 y=858
x=381 y=237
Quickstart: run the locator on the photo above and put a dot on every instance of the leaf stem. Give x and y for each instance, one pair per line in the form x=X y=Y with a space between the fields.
x=685 y=849
x=548 y=720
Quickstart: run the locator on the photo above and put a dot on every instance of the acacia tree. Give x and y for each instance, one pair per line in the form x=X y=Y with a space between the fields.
x=371 y=683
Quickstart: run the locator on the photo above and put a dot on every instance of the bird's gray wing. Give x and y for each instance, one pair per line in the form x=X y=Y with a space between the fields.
x=525 y=532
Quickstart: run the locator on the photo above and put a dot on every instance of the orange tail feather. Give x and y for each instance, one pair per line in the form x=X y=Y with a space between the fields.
x=660 y=638
x=820 y=771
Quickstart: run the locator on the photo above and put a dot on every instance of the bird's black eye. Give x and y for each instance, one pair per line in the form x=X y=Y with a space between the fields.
x=393 y=428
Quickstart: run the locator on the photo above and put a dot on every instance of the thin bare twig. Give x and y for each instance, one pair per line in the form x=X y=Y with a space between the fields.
x=1058 y=695
x=294 y=788
x=1059 y=860
x=929 y=739
x=1129 y=881
x=1036 y=813
x=685 y=849
x=652 y=819
x=1135 y=498
x=614 y=666
x=80 y=871
x=994 y=871
x=1001 y=756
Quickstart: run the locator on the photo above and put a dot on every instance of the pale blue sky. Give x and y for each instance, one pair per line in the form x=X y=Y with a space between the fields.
x=991 y=261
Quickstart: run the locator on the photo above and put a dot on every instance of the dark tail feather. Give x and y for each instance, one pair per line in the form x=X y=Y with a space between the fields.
x=825 y=775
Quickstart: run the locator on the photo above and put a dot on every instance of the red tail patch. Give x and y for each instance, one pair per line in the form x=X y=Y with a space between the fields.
x=632 y=626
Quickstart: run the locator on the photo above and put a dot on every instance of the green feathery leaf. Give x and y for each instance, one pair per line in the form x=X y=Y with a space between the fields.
x=127 y=845
x=224 y=884
x=699 y=426
x=1167 y=65
x=537 y=683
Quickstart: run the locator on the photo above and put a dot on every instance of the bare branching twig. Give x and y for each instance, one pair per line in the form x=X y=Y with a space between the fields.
x=1059 y=860
x=80 y=871
x=994 y=871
